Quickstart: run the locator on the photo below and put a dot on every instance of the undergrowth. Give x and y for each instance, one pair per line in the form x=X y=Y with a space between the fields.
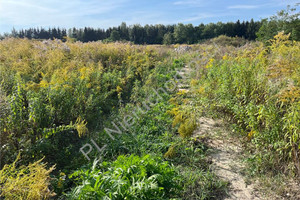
x=57 y=96
x=256 y=88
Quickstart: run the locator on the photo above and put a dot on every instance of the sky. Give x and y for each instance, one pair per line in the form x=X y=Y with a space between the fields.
x=20 y=14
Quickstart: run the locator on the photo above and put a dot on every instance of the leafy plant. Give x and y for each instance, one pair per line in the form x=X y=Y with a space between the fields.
x=129 y=177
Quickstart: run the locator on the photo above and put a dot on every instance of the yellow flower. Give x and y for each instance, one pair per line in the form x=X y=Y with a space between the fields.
x=119 y=89
x=194 y=82
x=43 y=84
x=251 y=133
x=201 y=90
x=181 y=92
x=210 y=63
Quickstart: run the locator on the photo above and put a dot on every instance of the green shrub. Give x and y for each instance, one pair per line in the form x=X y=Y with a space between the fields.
x=224 y=40
x=129 y=177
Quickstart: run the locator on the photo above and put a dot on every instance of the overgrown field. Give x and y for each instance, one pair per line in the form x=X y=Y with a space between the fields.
x=106 y=121
x=257 y=88
x=60 y=99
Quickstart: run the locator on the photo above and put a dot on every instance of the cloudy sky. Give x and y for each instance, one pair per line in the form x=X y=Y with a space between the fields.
x=105 y=13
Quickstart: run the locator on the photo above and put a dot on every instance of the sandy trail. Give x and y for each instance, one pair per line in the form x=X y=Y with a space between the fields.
x=226 y=155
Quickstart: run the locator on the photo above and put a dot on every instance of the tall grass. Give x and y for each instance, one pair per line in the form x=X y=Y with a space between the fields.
x=257 y=88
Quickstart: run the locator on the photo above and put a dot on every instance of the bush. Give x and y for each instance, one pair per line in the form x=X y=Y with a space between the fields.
x=129 y=177
x=224 y=40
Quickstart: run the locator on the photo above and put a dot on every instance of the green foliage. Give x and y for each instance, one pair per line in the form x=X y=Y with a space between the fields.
x=200 y=184
x=66 y=88
x=148 y=34
x=115 y=36
x=285 y=20
x=56 y=96
x=189 y=157
x=168 y=39
x=257 y=88
x=150 y=133
x=184 y=33
x=129 y=177
x=223 y=40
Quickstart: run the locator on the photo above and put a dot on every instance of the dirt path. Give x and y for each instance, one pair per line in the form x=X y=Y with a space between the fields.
x=226 y=158
x=226 y=152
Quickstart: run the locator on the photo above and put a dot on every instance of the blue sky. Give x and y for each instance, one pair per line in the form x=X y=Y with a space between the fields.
x=106 y=13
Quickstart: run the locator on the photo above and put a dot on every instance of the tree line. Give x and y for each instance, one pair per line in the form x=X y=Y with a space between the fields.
x=39 y=33
x=148 y=34
x=285 y=20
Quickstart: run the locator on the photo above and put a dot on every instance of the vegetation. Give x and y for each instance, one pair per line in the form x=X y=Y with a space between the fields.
x=264 y=30
x=56 y=97
x=257 y=89
x=128 y=178
x=148 y=34
x=122 y=101
x=25 y=182
x=286 y=20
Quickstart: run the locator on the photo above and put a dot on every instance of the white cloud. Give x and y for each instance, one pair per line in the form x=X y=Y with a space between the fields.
x=190 y=3
x=243 y=7
x=198 y=17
